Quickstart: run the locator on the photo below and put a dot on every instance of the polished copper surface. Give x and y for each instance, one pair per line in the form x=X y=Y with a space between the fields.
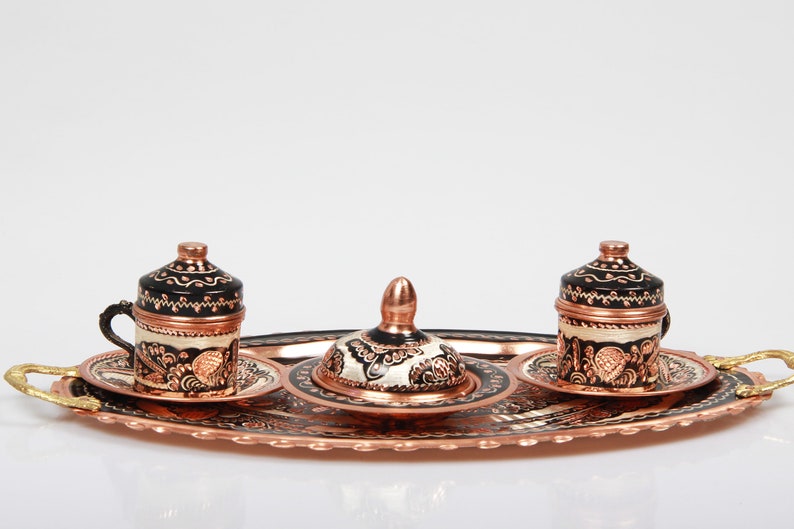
x=398 y=307
x=192 y=251
x=613 y=250
x=610 y=315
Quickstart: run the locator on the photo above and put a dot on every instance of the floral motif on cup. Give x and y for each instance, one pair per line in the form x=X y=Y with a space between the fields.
x=611 y=365
x=160 y=367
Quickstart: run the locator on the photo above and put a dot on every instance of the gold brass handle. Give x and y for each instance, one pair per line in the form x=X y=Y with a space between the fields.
x=747 y=390
x=17 y=377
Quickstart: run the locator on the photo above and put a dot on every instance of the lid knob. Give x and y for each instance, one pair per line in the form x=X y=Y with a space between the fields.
x=192 y=251
x=398 y=307
x=613 y=250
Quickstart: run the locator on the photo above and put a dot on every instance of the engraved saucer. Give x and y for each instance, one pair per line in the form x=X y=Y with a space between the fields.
x=678 y=371
x=490 y=384
x=112 y=372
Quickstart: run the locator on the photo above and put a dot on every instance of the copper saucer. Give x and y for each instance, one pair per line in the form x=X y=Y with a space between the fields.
x=679 y=371
x=112 y=371
x=488 y=384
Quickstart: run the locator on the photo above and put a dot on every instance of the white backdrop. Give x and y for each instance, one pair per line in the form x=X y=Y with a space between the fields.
x=320 y=149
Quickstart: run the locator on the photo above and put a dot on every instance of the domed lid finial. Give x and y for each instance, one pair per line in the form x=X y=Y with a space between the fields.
x=191 y=251
x=398 y=307
x=613 y=250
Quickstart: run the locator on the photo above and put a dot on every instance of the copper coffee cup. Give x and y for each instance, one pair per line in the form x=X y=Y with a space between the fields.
x=187 y=317
x=612 y=318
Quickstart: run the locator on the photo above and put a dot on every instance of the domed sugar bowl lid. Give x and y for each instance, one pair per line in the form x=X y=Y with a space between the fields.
x=395 y=358
x=190 y=286
x=612 y=282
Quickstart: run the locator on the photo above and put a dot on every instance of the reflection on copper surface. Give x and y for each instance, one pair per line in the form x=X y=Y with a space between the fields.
x=398 y=307
x=627 y=500
x=391 y=505
x=162 y=496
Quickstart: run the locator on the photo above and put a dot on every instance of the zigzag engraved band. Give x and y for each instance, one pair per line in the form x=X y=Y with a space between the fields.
x=177 y=305
x=567 y=292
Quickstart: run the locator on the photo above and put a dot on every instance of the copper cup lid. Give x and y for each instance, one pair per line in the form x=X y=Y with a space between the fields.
x=190 y=285
x=612 y=283
x=395 y=357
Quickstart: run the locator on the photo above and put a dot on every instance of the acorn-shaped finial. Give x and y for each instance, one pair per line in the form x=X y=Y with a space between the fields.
x=398 y=307
x=393 y=358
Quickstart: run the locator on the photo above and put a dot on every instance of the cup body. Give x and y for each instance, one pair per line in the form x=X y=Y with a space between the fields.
x=186 y=356
x=609 y=349
x=187 y=318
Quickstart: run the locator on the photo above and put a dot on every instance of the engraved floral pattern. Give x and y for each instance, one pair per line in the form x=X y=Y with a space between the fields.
x=166 y=368
x=629 y=365
x=359 y=361
x=376 y=358
x=446 y=368
x=113 y=371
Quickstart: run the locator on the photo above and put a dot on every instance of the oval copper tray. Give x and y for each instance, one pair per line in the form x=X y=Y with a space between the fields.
x=529 y=415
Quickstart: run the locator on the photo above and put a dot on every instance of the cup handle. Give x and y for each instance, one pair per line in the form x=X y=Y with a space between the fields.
x=665 y=324
x=122 y=307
